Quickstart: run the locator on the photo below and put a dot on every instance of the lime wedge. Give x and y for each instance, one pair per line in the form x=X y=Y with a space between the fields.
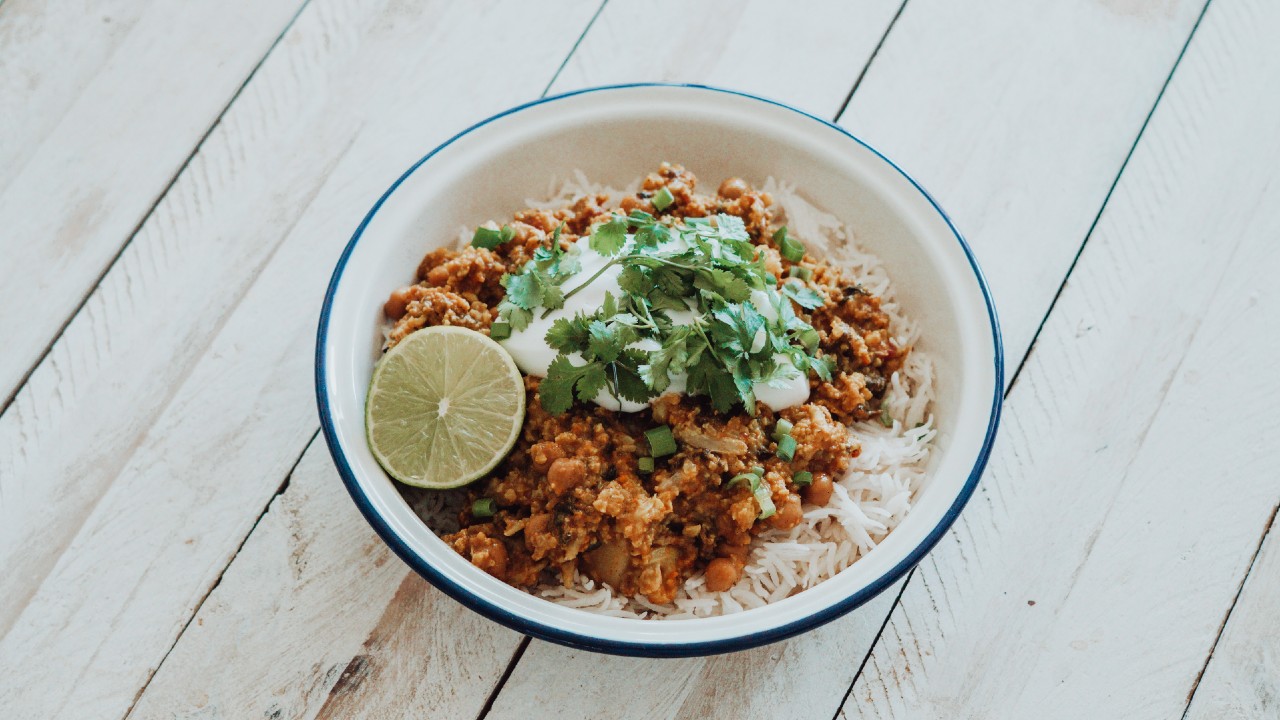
x=445 y=406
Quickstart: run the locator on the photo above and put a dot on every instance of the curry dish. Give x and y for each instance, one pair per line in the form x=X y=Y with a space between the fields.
x=586 y=491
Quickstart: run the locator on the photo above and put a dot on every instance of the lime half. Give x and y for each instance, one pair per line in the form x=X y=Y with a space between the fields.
x=445 y=406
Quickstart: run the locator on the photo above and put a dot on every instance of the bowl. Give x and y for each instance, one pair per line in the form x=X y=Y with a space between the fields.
x=614 y=135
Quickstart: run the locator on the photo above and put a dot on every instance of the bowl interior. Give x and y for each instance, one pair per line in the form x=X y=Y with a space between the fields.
x=614 y=136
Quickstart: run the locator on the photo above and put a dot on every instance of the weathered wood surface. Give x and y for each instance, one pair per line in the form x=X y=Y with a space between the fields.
x=1242 y=679
x=154 y=437
x=144 y=448
x=101 y=103
x=1091 y=575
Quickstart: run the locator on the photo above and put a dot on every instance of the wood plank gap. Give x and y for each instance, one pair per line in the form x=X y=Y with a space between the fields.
x=195 y=611
x=857 y=82
x=1048 y=311
x=88 y=293
x=1013 y=379
x=874 y=641
x=506 y=674
x=1253 y=561
x=556 y=75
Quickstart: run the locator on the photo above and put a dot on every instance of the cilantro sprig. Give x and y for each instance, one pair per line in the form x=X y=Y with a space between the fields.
x=688 y=306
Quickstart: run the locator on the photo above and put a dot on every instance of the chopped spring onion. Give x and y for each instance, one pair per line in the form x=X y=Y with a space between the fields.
x=786 y=448
x=781 y=429
x=761 y=492
x=483 y=508
x=663 y=199
x=790 y=248
x=490 y=239
x=886 y=419
x=661 y=441
x=802 y=273
x=645 y=464
x=802 y=478
x=500 y=330
x=757 y=470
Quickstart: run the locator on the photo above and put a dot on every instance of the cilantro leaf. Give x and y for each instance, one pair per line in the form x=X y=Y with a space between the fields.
x=565 y=380
x=605 y=342
x=522 y=290
x=608 y=238
x=567 y=335
x=489 y=239
x=803 y=295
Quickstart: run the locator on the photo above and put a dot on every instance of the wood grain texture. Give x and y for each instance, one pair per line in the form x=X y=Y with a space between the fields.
x=1242 y=680
x=103 y=103
x=735 y=44
x=1091 y=574
x=939 y=54
x=1017 y=116
x=173 y=406
x=305 y=619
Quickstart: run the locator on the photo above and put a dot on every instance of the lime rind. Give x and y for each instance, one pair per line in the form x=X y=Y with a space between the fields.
x=481 y=392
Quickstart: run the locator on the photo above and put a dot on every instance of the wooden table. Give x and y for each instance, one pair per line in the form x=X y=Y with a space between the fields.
x=176 y=182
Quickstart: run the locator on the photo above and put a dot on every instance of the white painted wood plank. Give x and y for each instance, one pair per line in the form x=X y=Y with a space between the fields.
x=172 y=407
x=1017 y=116
x=102 y=103
x=1130 y=485
x=305 y=618
x=987 y=60
x=807 y=53
x=1242 y=680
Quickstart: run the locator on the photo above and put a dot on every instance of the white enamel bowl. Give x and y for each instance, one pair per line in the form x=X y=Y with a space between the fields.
x=614 y=135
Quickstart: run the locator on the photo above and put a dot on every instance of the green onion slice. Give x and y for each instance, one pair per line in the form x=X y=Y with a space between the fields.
x=786 y=448
x=661 y=441
x=663 y=199
x=790 y=248
x=645 y=464
x=483 y=508
x=782 y=429
x=758 y=489
x=500 y=330
x=802 y=478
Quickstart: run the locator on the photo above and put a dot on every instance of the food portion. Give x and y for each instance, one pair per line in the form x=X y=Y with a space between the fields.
x=699 y=387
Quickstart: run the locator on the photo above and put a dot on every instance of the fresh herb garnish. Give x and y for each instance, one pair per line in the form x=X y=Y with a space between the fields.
x=790 y=248
x=706 y=272
x=663 y=199
x=490 y=239
x=538 y=284
x=483 y=508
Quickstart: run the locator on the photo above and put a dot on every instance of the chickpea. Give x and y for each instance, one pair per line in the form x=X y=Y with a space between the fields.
x=565 y=474
x=722 y=574
x=733 y=188
x=398 y=302
x=789 y=514
x=543 y=454
x=819 y=491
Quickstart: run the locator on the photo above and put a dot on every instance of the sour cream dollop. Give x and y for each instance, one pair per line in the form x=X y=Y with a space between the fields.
x=529 y=348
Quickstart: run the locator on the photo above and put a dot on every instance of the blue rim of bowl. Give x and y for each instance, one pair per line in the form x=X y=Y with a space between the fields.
x=639 y=649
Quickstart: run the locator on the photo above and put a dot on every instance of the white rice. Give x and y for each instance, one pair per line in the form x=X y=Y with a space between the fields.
x=868 y=502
